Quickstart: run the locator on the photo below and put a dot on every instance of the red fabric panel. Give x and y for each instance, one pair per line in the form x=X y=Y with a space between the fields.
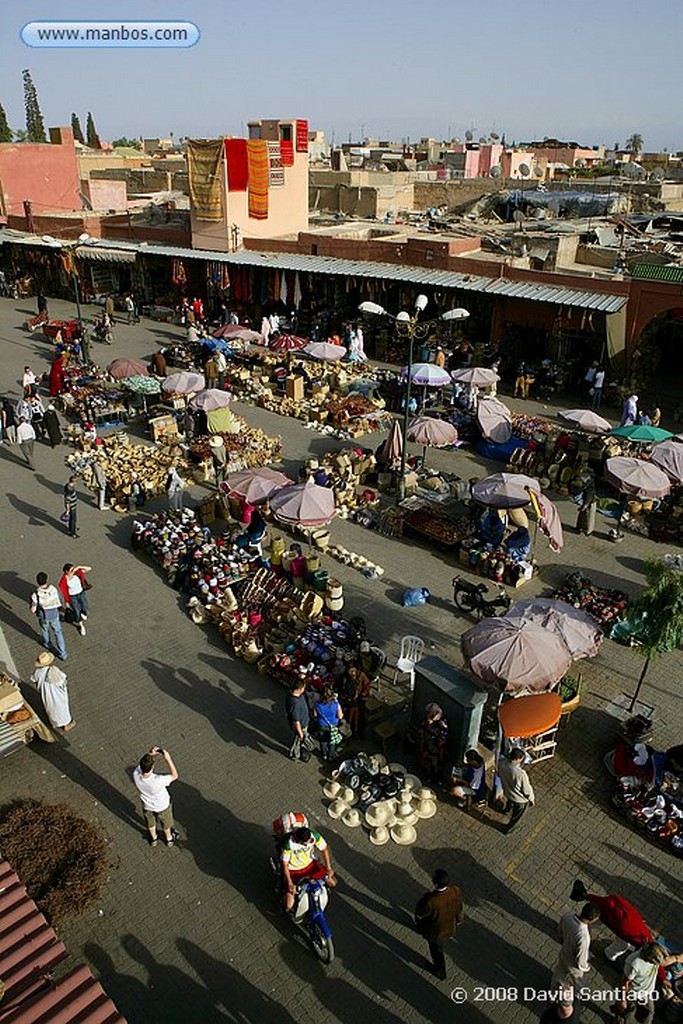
x=302 y=136
x=236 y=161
x=287 y=152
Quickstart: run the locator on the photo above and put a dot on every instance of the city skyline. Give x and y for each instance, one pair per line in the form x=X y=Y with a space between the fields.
x=585 y=72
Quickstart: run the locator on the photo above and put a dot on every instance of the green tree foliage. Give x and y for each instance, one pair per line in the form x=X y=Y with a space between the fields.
x=5 y=130
x=659 y=613
x=76 y=127
x=127 y=143
x=91 y=136
x=35 y=126
x=634 y=143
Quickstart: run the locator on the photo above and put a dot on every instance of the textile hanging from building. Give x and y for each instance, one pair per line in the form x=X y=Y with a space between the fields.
x=217 y=275
x=236 y=163
x=257 y=158
x=287 y=152
x=178 y=273
x=276 y=173
x=204 y=176
x=302 y=136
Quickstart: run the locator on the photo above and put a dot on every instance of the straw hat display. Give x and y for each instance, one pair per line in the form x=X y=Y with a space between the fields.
x=412 y=783
x=378 y=814
x=425 y=808
x=337 y=808
x=425 y=794
x=332 y=789
x=380 y=835
x=348 y=795
x=352 y=817
x=403 y=834
x=405 y=813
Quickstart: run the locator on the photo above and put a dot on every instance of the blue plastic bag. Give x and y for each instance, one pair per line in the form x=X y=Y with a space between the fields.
x=416 y=596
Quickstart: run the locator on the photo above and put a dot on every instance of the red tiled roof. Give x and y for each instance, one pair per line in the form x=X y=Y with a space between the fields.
x=77 y=997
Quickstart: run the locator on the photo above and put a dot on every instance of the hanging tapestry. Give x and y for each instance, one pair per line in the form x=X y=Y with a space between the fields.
x=257 y=157
x=178 y=274
x=287 y=152
x=302 y=136
x=236 y=162
x=276 y=174
x=204 y=175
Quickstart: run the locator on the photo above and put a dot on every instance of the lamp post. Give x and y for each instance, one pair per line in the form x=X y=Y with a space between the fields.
x=70 y=248
x=410 y=327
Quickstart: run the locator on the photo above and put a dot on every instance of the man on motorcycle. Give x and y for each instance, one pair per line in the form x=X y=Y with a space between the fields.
x=299 y=861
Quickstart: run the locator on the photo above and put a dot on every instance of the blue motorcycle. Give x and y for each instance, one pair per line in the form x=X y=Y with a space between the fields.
x=312 y=896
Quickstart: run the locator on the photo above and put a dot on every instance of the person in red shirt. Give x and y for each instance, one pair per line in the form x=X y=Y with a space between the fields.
x=620 y=916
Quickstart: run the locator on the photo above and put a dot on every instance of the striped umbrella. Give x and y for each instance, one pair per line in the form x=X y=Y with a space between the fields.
x=428 y=375
x=287 y=343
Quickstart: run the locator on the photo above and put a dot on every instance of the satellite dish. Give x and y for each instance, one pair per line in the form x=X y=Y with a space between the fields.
x=524 y=170
x=518 y=216
x=468 y=136
x=495 y=136
x=482 y=140
x=629 y=170
x=457 y=141
x=496 y=171
x=538 y=171
x=657 y=174
x=580 y=163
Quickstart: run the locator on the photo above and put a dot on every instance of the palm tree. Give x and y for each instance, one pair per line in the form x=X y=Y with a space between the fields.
x=659 y=613
x=634 y=143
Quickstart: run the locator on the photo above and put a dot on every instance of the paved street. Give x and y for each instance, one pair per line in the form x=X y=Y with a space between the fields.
x=192 y=933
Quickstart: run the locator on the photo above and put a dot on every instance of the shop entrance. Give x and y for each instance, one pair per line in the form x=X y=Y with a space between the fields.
x=658 y=361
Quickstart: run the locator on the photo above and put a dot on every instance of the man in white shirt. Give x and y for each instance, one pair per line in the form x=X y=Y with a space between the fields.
x=639 y=984
x=153 y=790
x=573 y=963
x=222 y=365
x=28 y=379
x=46 y=605
x=598 y=385
x=26 y=436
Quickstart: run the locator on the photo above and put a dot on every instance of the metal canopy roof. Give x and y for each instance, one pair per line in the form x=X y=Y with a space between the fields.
x=531 y=290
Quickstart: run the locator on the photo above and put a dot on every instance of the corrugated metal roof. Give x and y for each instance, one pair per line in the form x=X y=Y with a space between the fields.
x=668 y=272
x=29 y=951
x=304 y=263
x=535 y=292
x=100 y=255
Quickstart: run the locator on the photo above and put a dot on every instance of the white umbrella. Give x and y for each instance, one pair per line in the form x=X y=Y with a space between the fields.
x=325 y=351
x=580 y=631
x=505 y=490
x=428 y=375
x=184 y=383
x=480 y=376
x=586 y=419
x=210 y=399
x=637 y=478
x=304 y=505
x=495 y=420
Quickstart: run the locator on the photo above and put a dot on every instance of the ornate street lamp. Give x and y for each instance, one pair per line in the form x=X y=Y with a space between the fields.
x=411 y=327
x=70 y=248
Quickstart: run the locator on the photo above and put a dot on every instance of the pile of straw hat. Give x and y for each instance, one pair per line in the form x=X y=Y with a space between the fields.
x=393 y=818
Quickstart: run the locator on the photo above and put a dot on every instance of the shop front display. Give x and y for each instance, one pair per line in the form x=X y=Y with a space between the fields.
x=127 y=464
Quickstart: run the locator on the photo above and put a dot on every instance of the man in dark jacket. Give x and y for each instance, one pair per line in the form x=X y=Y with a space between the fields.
x=437 y=914
x=299 y=718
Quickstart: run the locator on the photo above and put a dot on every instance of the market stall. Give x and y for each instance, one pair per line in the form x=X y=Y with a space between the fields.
x=606 y=605
x=531 y=723
x=649 y=790
x=126 y=464
x=18 y=721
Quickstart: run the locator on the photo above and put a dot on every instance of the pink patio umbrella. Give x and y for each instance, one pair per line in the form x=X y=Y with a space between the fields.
x=287 y=343
x=637 y=478
x=518 y=657
x=431 y=433
x=580 y=632
x=429 y=375
x=391 y=450
x=210 y=399
x=237 y=332
x=480 y=376
x=669 y=456
x=585 y=420
x=122 y=368
x=304 y=505
x=495 y=420
x=505 y=490
x=255 y=485
x=184 y=383
x=325 y=351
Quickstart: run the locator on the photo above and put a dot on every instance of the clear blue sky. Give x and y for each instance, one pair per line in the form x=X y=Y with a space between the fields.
x=592 y=70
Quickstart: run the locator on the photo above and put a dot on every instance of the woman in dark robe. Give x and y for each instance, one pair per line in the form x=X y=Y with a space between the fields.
x=52 y=427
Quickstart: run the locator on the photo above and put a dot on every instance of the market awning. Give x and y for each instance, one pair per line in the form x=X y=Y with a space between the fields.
x=92 y=253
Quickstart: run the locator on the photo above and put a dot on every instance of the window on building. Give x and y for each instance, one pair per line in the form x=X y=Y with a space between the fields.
x=254 y=131
x=286 y=132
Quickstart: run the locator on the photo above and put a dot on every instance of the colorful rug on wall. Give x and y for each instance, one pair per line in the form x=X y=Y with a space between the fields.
x=257 y=158
x=302 y=136
x=236 y=162
x=204 y=176
x=276 y=173
x=287 y=152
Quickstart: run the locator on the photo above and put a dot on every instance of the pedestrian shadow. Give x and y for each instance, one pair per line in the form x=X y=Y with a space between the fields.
x=34 y=515
x=13 y=621
x=50 y=485
x=13 y=457
x=132 y=996
x=237 y=997
x=219 y=704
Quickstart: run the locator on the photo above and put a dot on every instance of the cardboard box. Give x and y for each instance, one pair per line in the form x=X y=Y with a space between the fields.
x=10 y=695
x=295 y=388
x=163 y=426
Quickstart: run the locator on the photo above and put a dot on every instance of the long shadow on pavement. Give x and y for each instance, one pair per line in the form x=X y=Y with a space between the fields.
x=36 y=516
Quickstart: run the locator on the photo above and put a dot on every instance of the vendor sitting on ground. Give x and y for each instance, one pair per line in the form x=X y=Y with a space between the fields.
x=491 y=528
x=471 y=784
x=518 y=544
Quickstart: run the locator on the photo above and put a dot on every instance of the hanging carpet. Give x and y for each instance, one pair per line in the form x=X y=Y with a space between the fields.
x=257 y=157
x=204 y=169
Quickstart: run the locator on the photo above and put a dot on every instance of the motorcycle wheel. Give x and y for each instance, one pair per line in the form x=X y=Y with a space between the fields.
x=323 y=946
x=464 y=601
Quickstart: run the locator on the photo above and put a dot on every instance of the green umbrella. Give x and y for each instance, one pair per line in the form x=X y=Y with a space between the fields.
x=643 y=433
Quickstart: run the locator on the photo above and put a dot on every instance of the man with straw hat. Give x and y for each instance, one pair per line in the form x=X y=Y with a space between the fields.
x=53 y=689
x=437 y=915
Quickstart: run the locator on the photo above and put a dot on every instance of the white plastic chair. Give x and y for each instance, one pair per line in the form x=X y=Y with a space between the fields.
x=412 y=649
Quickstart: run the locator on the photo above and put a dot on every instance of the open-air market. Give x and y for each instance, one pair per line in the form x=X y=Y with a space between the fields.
x=341 y=605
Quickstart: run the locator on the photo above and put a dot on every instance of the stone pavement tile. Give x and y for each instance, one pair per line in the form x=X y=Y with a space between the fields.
x=190 y=933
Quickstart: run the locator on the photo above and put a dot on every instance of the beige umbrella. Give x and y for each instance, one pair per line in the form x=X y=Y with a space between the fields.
x=495 y=420
x=518 y=657
x=580 y=632
x=637 y=478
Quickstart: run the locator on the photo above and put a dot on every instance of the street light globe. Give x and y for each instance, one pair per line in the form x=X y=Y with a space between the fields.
x=421 y=302
x=372 y=307
x=455 y=314
x=403 y=316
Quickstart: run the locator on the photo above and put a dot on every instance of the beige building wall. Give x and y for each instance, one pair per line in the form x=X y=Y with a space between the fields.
x=287 y=211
